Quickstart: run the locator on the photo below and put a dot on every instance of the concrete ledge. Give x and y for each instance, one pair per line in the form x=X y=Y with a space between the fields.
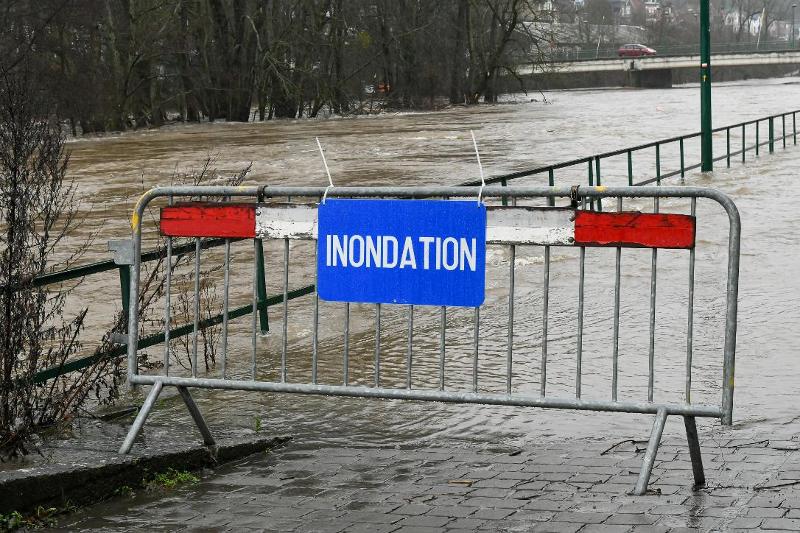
x=79 y=482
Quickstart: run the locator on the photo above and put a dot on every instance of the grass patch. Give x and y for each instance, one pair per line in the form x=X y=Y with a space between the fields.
x=171 y=479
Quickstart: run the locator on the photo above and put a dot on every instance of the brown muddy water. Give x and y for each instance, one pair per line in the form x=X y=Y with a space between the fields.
x=435 y=148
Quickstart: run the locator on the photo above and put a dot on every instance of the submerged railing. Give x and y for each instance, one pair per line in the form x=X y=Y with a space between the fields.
x=752 y=136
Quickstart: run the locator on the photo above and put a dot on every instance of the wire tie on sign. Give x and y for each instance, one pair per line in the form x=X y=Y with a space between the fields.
x=574 y=196
x=480 y=166
x=327 y=171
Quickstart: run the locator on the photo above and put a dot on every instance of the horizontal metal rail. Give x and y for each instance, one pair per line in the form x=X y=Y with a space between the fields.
x=520 y=400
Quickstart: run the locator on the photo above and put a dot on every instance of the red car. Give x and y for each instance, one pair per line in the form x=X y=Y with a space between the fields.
x=635 y=50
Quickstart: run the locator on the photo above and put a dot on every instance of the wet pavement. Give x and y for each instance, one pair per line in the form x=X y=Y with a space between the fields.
x=753 y=483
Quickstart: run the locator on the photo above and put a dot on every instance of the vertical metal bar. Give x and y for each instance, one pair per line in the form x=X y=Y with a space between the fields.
x=167 y=302
x=442 y=340
x=690 y=320
x=651 y=353
x=475 y=351
x=658 y=164
x=591 y=183
x=196 y=304
x=315 y=324
x=346 y=357
x=551 y=181
x=683 y=168
x=598 y=181
x=615 y=353
x=377 y=345
x=579 y=350
x=650 y=453
x=744 y=144
x=125 y=286
x=225 y=306
x=630 y=168
x=255 y=312
x=794 y=126
x=694 y=451
x=285 y=333
x=262 y=287
x=771 y=134
x=757 y=141
x=783 y=129
x=510 y=348
x=504 y=199
x=545 y=318
x=410 y=345
x=728 y=146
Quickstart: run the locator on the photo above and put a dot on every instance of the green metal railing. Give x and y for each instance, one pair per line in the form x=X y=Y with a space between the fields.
x=145 y=342
x=593 y=167
x=787 y=122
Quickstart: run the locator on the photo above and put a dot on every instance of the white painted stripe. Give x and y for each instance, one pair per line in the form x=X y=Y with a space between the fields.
x=504 y=225
x=530 y=225
x=292 y=221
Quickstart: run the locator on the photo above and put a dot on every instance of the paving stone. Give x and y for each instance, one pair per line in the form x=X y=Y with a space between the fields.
x=630 y=519
x=424 y=521
x=781 y=523
x=766 y=512
x=491 y=514
x=604 y=528
x=582 y=518
x=465 y=523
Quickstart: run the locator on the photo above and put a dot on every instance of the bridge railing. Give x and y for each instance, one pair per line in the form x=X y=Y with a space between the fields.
x=608 y=52
x=733 y=141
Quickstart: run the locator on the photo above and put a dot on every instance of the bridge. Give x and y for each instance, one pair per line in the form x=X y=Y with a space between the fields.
x=656 y=71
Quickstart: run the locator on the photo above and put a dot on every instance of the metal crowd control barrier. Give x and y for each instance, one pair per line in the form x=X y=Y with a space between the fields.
x=512 y=226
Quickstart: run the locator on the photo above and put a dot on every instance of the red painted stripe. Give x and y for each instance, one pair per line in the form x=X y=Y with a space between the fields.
x=627 y=229
x=209 y=220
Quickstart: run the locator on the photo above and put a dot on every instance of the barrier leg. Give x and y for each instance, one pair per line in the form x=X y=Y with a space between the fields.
x=208 y=438
x=694 y=451
x=650 y=454
x=147 y=406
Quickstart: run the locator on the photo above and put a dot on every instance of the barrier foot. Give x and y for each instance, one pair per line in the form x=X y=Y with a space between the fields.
x=650 y=454
x=694 y=451
x=147 y=406
x=208 y=438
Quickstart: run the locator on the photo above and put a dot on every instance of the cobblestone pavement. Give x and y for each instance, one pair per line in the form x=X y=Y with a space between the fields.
x=580 y=485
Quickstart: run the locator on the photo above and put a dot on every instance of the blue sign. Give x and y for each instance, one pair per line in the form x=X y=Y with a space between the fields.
x=421 y=252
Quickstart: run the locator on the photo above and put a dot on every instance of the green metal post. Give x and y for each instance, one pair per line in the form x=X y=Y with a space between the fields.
x=630 y=168
x=728 y=146
x=744 y=144
x=125 y=286
x=757 y=136
x=658 y=164
x=683 y=169
x=783 y=129
x=794 y=126
x=551 y=180
x=262 y=287
x=771 y=133
x=503 y=183
x=706 y=149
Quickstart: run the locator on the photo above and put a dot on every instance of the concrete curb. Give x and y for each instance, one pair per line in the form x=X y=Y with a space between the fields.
x=78 y=483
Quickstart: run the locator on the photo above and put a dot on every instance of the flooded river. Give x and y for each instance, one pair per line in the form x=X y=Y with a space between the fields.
x=435 y=148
